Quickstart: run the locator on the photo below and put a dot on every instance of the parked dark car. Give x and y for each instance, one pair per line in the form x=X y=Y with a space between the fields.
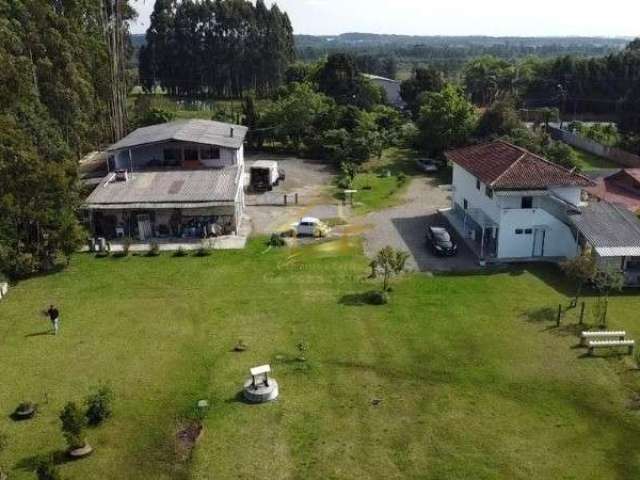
x=441 y=241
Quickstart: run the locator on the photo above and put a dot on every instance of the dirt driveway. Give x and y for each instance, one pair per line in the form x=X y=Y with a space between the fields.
x=403 y=227
x=308 y=179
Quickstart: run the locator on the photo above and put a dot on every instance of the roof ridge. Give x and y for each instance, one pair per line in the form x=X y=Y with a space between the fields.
x=524 y=154
x=547 y=161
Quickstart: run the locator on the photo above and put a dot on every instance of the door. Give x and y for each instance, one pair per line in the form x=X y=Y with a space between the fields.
x=539 y=236
x=144 y=227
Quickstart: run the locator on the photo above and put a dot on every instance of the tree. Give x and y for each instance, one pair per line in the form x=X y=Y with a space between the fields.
x=487 y=78
x=581 y=270
x=446 y=120
x=340 y=79
x=424 y=79
x=223 y=48
x=390 y=262
x=607 y=279
x=562 y=154
x=73 y=425
x=154 y=116
x=500 y=119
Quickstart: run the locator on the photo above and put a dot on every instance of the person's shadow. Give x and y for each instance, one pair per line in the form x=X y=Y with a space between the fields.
x=39 y=334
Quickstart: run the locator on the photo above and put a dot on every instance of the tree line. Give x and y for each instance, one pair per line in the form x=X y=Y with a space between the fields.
x=220 y=48
x=61 y=94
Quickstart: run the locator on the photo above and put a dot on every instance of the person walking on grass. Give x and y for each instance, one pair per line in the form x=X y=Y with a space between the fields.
x=54 y=316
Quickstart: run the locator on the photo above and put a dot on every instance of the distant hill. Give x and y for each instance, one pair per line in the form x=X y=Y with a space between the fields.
x=372 y=39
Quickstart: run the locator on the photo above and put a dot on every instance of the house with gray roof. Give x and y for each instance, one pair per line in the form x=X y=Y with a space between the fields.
x=177 y=180
x=611 y=234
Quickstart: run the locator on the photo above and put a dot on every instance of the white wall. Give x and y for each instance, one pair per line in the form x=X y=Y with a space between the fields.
x=573 y=195
x=465 y=188
x=559 y=239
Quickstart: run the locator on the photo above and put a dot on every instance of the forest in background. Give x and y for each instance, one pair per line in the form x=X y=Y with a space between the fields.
x=63 y=92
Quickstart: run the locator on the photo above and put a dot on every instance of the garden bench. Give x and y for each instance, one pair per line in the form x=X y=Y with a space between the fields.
x=593 y=344
x=585 y=336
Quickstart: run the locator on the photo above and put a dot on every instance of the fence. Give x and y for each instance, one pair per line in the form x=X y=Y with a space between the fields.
x=622 y=158
x=273 y=199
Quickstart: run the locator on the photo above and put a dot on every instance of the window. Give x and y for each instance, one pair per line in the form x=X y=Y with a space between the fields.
x=190 y=155
x=528 y=231
x=527 y=203
x=170 y=155
x=519 y=231
x=210 y=153
x=478 y=183
x=465 y=204
x=488 y=192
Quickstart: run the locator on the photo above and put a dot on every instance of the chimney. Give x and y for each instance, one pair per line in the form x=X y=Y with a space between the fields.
x=232 y=132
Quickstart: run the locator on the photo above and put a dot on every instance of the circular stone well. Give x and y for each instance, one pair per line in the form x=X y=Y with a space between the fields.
x=260 y=393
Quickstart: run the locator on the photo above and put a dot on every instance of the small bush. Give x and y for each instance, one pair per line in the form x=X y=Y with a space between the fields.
x=154 y=250
x=126 y=247
x=99 y=406
x=402 y=178
x=47 y=470
x=181 y=252
x=377 y=298
x=203 y=251
x=73 y=424
x=276 y=240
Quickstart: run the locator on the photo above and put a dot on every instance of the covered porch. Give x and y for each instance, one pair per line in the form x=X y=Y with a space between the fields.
x=477 y=229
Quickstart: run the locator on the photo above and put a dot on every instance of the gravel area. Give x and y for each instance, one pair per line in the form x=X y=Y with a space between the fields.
x=308 y=178
x=403 y=227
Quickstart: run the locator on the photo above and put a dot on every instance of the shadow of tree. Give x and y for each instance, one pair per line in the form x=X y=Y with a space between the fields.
x=30 y=464
x=361 y=299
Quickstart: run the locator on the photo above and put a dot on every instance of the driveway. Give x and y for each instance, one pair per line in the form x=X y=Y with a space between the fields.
x=308 y=179
x=403 y=227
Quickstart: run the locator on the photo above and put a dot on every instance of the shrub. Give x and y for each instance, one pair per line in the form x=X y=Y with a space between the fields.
x=99 y=406
x=126 y=247
x=73 y=424
x=47 y=470
x=154 y=250
x=402 y=178
x=203 y=251
x=377 y=298
x=181 y=252
x=276 y=240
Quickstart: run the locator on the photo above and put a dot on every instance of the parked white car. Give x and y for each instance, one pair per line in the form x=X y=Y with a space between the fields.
x=311 y=227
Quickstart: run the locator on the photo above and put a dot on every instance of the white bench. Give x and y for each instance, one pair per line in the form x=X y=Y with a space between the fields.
x=585 y=336
x=593 y=344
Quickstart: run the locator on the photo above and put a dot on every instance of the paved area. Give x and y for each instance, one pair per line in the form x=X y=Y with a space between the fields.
x=307 y=178
x=403 y=227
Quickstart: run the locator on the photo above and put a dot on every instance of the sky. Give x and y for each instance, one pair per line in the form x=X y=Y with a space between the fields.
x=454 y=17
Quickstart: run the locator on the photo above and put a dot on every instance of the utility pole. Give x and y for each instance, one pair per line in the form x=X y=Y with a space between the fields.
x=563 y=93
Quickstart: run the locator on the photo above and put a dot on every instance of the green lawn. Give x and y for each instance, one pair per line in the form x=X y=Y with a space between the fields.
x=588 y=161
x=382 y=181
x=474 y=380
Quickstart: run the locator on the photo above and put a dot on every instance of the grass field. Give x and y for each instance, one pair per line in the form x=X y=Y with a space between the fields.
x=587 y=161
x=473 y=379
x=382 y=181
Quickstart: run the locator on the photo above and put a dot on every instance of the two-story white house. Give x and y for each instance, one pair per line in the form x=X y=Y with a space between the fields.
x=180 y=180
x=513 y=204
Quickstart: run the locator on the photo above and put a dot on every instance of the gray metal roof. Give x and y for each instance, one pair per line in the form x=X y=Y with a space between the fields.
x=167 y=189
x=613 y=231
x=205 y=132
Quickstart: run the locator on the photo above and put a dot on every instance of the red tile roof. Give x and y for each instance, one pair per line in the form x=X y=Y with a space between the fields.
x=613 y=190
x=503 y=166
